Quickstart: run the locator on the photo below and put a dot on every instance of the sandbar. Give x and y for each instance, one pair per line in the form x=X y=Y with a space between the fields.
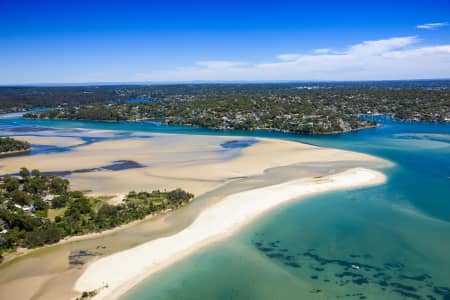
x=115 y=274
x=195 y=163
x=58 y=141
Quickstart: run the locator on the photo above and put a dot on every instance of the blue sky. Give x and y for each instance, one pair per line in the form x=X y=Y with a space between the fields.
x=108 y=41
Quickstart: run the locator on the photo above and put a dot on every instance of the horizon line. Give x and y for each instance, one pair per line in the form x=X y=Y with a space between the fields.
x=194 y=82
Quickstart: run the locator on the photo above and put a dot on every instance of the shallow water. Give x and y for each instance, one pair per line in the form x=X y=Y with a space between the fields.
x=397 y=233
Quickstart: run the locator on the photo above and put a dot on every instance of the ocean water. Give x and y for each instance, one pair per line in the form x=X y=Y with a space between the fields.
x=398 y=234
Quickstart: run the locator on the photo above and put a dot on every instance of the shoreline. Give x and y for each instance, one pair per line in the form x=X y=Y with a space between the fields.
x=138 y=263
x=11 y=257
x=275 y=130
x=14 y=152
x=21 y=252
x=215 y=128
x=196 y=163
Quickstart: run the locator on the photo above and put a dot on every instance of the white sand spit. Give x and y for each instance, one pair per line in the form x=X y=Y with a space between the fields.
x=123 y=270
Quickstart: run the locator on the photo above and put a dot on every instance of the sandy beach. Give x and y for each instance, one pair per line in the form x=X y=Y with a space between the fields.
x=57 y=141
x=195 y=163
x=121 y=271
x=199 y=164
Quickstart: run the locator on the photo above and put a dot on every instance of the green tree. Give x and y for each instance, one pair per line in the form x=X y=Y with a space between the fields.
x=35 y=173
x=24 y=173
x=20 y=197
x=35 y=185
x=40 y=204
x=11 y=183
x=60 y=201
x=58 y=185
x=47 y=234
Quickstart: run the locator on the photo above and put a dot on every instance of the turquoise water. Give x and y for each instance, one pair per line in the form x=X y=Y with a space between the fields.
x=398 y=233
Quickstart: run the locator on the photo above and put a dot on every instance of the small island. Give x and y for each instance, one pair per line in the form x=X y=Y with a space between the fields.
x=36 y=210
x=9 y=145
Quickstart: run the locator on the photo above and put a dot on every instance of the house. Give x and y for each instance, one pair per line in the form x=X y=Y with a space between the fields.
x=48 y=198
x=3 y=226
x=26 y=209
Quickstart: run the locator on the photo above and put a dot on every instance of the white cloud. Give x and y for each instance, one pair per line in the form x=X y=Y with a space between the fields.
x=432 y=25
x=381 y=46
x=289 y=56
x=323 y=51
x=392 y=58
x=220 y=64
x=296 y=56
x=418 y=52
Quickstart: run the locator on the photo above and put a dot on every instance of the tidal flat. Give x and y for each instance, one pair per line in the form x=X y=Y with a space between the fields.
x=212 y=167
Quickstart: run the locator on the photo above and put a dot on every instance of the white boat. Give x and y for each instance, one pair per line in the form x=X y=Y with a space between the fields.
x=356 y=267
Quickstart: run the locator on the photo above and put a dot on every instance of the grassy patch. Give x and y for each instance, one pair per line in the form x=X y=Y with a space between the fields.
x=53 y=212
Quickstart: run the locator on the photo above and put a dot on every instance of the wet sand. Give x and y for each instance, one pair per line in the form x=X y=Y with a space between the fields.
x=114 y=275
x=198 y=164
x=195 y=163
x=50 y=140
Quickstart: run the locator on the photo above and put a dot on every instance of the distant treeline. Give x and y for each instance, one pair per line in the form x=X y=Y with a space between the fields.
x=312 y=108
x=319 y=108
x=16 y=98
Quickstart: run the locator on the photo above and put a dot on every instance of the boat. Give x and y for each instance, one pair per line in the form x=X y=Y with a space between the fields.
x=356 y=267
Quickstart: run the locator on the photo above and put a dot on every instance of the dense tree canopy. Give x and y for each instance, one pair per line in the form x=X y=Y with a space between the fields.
x=312 y=108
x=9 y=144
x=26 y=214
